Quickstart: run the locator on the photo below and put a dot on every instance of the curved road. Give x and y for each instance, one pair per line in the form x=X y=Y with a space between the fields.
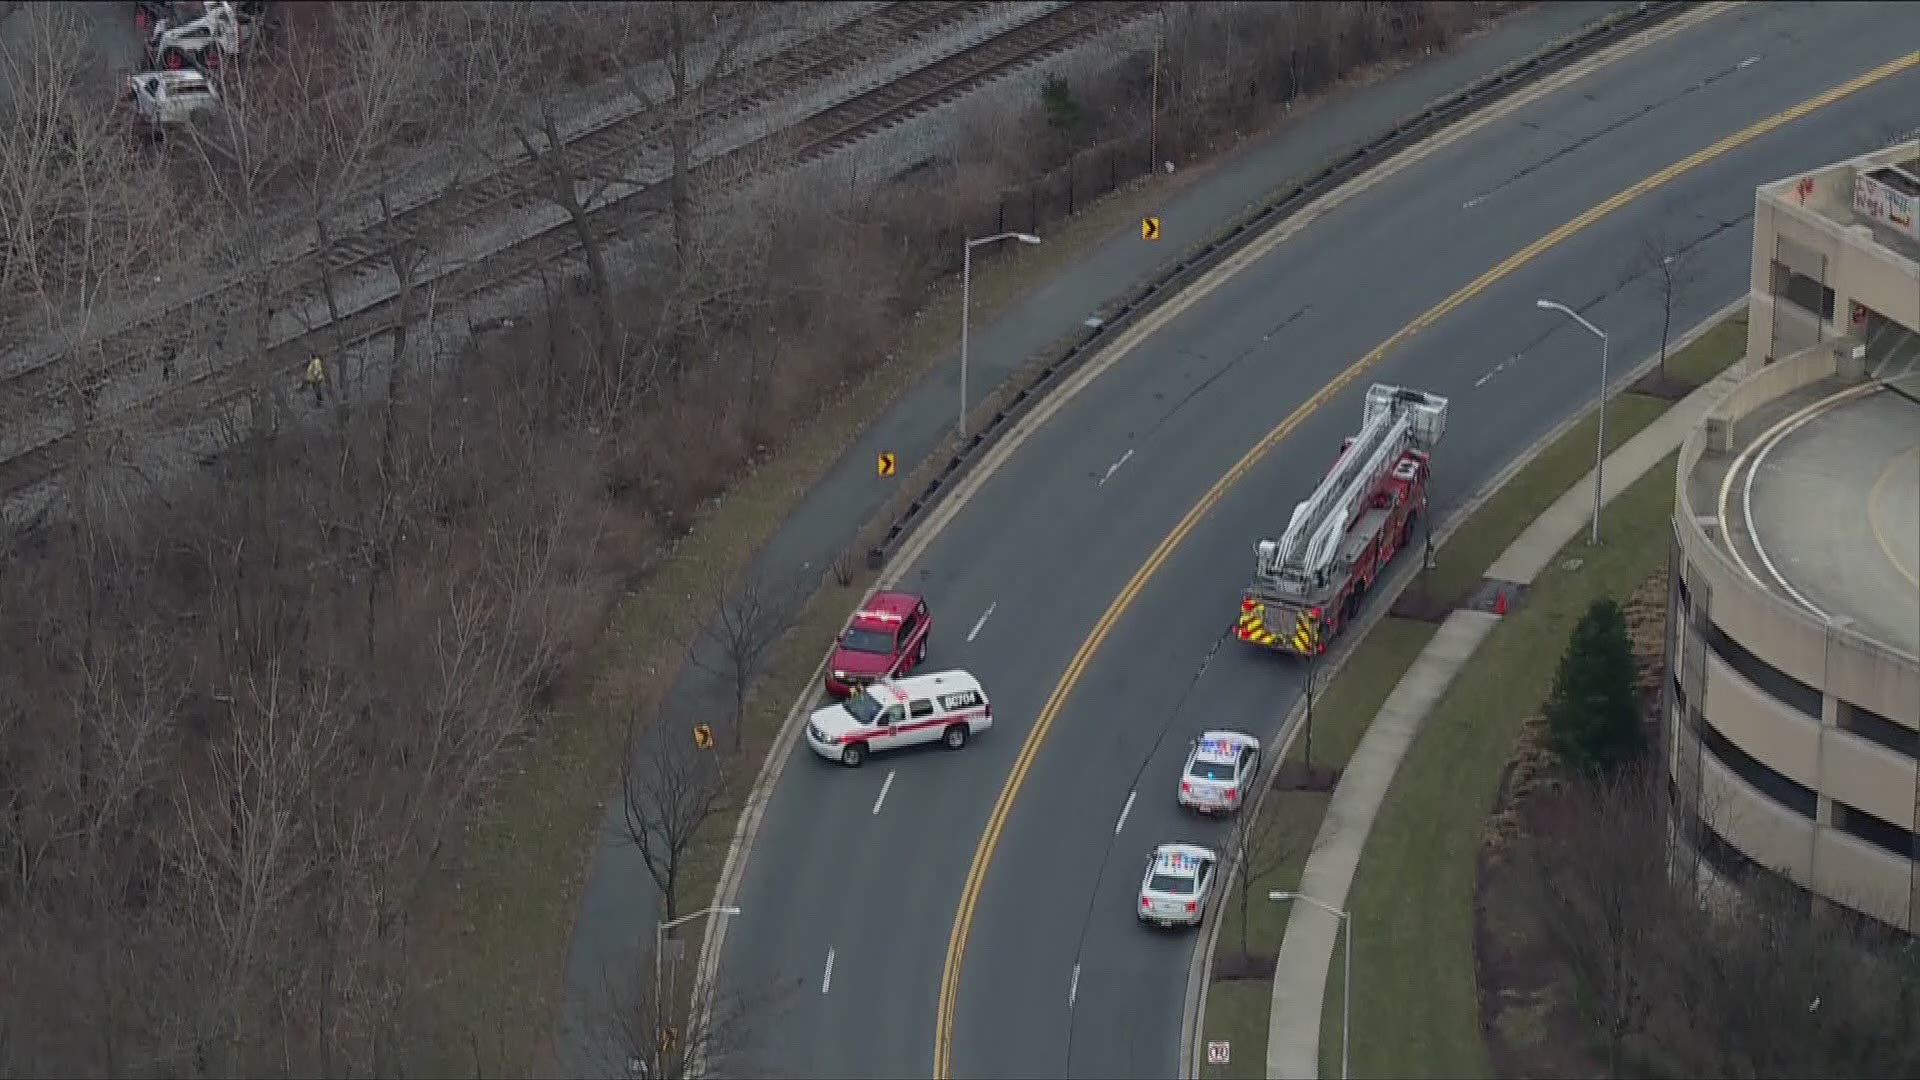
x=1055 y=535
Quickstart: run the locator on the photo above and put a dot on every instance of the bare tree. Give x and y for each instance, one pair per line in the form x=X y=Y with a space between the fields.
x=703 y=42
x=1668 y=271
x=745 y=626
x=666 y=1023
x=353 y=87
x=670 y=788
x=1605 y=891
x=1258 y=848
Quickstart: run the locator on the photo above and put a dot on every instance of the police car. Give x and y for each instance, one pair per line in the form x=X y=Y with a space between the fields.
x=1218 y=777
x=1177 y=885
x=887 y=714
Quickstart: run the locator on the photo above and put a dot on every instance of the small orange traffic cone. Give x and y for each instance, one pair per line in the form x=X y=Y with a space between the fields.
x=1500 y=602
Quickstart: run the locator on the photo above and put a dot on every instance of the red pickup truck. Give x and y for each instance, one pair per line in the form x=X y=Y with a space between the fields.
x=886 y=638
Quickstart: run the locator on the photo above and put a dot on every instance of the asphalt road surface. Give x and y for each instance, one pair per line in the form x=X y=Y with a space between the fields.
x=107 y=28
x=1052 y=538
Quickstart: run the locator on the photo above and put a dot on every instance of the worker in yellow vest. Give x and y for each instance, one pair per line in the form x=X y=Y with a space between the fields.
x=316 y=379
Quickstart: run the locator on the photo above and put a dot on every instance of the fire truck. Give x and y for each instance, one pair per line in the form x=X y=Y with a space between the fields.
x=1307 y=585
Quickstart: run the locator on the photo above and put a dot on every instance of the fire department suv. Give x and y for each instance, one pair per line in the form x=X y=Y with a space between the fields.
x=1219 y=774
x=1177 y=885
x=947 y=707
x=886 y=638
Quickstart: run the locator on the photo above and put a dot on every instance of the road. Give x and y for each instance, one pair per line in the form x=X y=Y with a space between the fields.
x=618 y=901
x=108 y=28
x=1050 y=540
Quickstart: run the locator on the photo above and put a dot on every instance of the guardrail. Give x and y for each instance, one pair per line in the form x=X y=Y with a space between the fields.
x=1205 y=256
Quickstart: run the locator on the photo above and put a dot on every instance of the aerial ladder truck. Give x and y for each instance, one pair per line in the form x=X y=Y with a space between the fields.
x=1307 y=585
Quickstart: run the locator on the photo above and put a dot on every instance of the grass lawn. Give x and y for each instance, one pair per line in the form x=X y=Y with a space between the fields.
x=1237 y=1011
x=1414 y=894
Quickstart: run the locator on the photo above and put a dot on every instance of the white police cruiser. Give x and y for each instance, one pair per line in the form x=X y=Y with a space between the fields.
x=948 y=707
x=1218 y=776
x=1177 y=885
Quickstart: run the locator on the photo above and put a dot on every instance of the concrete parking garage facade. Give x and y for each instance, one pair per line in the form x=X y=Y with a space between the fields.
x=1791 y=712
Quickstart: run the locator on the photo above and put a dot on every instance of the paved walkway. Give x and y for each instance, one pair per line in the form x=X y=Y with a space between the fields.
x=1300 y=977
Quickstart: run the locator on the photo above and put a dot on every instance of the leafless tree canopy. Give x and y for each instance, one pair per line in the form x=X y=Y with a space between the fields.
x=1767 y=987
x=236 y=740
x=1257 y=849
x=663 y=1023
x=1668 y=269
x=738 y=641
x=671 y=789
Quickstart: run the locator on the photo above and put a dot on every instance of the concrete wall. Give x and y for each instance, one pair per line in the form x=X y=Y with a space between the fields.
x=1807 y=224
x=1708 y=699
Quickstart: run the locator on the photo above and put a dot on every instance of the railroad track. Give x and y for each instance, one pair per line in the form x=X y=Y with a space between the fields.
x=735 y=94
x=558 y=248
x=764 y=80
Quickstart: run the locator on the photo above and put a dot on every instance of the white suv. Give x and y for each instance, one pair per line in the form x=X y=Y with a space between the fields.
x=949 y=707
x=166 y=98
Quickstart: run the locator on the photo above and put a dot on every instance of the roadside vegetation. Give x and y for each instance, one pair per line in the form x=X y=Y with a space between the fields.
x=301 y=756
x=1603 y=950
x=1413 y=1004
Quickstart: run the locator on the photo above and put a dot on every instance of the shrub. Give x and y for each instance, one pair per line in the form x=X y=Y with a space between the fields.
x=1593 y=720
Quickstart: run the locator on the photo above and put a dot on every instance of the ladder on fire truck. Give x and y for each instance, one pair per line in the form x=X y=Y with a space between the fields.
x=1395 y=420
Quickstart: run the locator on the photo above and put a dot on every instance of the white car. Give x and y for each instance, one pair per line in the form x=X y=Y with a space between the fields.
x=1177 y=885
x=1218 y=776
x=949 y=707
x=166 y=98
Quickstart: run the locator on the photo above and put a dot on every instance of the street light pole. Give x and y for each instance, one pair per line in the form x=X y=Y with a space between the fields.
x=966 y=309
x=1346 y=979
x=659 y=946
x=1600 y=446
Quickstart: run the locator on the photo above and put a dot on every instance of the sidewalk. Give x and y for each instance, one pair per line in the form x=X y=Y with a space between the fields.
x=1300 y=976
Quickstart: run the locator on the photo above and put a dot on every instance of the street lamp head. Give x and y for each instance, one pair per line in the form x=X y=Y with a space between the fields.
x=728 y=910
x=1545 y=305
x=1026 y=238
x=1279 y=896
